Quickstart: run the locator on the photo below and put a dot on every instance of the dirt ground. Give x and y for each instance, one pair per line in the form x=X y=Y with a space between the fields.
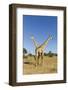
x=49 y=65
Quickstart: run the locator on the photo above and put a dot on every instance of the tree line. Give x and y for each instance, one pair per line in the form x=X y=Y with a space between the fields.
x=50 y=54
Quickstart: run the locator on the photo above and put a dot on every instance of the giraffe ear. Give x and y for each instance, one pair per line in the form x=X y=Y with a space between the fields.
x=50 y=36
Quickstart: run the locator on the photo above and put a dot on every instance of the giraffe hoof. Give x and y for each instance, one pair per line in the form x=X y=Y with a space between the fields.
x=35 y=65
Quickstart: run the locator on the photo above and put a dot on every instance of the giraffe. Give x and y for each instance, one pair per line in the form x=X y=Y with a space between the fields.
x=39 y=49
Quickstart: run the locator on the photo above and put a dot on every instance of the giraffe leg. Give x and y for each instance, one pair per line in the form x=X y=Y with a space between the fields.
x=35 y=60
x=41 y=59
x=38 y=60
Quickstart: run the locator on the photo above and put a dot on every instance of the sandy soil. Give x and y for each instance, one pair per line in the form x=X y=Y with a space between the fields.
x=49 y=65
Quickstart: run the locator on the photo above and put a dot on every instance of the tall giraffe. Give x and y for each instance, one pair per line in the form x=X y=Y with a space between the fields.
x=39 y=49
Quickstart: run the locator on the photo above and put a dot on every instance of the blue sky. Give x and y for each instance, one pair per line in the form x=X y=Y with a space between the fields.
x=40 y=27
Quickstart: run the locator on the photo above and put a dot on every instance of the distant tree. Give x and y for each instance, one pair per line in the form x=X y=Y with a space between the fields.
x=45 y=54
x=50 y=54
x=55 y=54
x=30 y=54
x=24 y=51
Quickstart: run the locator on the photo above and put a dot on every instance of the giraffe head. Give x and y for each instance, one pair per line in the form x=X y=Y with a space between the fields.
x=32 y=37
x=50 y=37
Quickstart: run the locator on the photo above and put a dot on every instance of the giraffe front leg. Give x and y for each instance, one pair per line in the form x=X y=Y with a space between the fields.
x=35 y=60
x=41 y=59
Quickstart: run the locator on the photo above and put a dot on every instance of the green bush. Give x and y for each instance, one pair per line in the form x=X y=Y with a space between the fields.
x=30 y=54
x=50 y=54
x=24 y=51
x=45 y=54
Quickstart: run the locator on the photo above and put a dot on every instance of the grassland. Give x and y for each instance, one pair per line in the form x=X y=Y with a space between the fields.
x=49 y=65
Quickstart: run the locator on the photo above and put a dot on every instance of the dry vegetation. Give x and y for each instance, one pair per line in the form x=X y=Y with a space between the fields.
x=49 y=65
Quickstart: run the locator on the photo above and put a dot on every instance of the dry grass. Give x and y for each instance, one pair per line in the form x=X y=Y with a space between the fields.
x=49 y=65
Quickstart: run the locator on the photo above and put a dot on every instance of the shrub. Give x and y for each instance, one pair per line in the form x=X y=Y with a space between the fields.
x=24 y=51
x=50 y=54
x=45 y=54
x=30 y=54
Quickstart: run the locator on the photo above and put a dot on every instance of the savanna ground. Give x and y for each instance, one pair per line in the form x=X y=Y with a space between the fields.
x=49 y=65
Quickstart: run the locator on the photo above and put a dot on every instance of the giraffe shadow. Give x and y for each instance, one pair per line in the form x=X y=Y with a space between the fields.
x=29 y=63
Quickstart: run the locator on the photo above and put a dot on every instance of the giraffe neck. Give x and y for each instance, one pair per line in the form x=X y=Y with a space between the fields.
x=35 y=44
x=45 y=43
